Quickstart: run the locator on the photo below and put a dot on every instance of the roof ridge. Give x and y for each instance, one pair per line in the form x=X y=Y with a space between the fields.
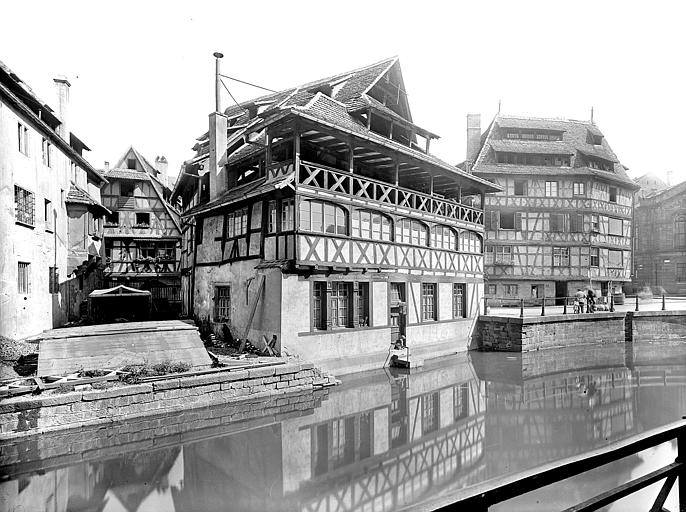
x=534 y=118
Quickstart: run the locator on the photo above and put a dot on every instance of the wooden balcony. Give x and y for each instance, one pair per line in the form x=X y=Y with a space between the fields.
x=357 y=187
x=339 y=252
x=142 y=267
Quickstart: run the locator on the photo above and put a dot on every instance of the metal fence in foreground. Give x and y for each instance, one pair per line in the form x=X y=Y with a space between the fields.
x=487 y=495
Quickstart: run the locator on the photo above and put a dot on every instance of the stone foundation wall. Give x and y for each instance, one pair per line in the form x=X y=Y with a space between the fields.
x=511 y=334
x=21 y=416
x=64 y=447
x=658 y=325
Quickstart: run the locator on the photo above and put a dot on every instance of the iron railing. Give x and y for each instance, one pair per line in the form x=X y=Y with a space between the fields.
x=489 y=493
x=569 y=305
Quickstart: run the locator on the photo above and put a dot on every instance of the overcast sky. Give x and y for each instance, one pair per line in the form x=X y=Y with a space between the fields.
x=142 y=72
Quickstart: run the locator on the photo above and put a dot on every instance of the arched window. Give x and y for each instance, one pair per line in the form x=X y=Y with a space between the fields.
x=680 y=232
x=443 y=237
x=370 y=224
x=470 y=242
x=412 y=232
x=322 y=217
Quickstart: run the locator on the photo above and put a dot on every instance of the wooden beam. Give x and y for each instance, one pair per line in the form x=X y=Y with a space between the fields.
x=428 y=143
x=296 y=150
x=351 y=155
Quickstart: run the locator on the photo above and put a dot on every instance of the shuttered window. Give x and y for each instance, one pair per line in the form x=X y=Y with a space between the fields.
x=24 y=278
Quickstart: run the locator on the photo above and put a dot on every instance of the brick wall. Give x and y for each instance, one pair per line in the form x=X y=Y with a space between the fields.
x=20 y=416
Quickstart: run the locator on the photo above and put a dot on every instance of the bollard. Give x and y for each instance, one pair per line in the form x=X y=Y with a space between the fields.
x=521 y=308
x=663 y=302
x=543 y=306
x=485 y=305
x=636 y=303
x=564 y=311
x=612 y=303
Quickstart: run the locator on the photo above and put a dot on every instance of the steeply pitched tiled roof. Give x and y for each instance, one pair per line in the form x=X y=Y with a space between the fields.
x=79 y=196
x=575 y=141
x=127 y=174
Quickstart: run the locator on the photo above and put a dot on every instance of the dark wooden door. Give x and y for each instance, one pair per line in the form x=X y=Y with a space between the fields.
x=398 y=308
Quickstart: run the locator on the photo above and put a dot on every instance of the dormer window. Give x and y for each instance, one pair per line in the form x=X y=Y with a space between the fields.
x=600 y=164
x=594 y=138
x=528 y=134
x=503 y=157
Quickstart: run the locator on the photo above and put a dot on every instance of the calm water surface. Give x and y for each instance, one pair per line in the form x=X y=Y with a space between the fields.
x=382 y=440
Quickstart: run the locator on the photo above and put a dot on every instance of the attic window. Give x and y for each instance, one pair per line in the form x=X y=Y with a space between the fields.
x=131 y=163
x=600 y=164
x=594 y=138
x=539 y=135
x=533 y=159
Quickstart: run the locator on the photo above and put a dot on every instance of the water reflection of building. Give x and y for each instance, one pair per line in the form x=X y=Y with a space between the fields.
x=378 y=446
x=381 y=442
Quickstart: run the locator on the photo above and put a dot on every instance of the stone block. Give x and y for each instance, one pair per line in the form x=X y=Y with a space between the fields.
x=266 y=371
x=118 y=391
x=287 y=368
x=166 y=384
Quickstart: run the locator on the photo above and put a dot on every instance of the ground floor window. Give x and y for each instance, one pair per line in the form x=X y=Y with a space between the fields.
x=512 y=290
x=23 y=278
x=340 y=304
x=681 y=272
x=459 y=295
x=222 y=303
x=492 y=289
x=429 y=302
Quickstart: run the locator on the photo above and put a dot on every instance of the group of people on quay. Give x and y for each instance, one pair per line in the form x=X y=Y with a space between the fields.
x=585 y=302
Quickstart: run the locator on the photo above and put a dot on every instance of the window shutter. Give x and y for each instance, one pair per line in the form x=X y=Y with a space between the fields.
x=496 y=219
x=518 y=221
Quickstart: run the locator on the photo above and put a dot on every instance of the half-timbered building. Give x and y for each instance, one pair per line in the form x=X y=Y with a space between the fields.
x=660 y=238
x=322 y=218
x=142 y=231
x=563 y=219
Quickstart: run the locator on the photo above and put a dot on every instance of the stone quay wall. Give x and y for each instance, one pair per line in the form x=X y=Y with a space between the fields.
x=658 y=325
x=21 y=416
x=513 y=334
x=66 y=447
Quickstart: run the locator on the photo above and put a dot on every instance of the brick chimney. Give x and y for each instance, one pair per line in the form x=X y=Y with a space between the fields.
x=161 y=165
x=473 y=138
x=63 y=85
x=217 y=159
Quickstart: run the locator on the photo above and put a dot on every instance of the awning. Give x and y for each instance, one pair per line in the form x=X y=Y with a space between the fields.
x=119 y=291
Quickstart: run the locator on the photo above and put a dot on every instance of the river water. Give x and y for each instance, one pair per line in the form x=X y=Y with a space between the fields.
x=381 y=441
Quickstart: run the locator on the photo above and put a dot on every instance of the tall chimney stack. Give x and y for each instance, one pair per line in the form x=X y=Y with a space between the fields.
x=473 y=138
x=161 y=165
x=63 y=86
x=218 y=141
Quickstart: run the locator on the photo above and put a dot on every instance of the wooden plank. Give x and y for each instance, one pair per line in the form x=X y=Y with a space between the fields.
x=115 y=345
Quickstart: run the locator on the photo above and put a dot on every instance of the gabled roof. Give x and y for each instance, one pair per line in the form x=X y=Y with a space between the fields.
x=575 y=141
x=678 y=190
x=149 y=174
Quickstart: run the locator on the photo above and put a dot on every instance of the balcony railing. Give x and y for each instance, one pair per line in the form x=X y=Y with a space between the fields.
x=142 y=266
x=354 y=186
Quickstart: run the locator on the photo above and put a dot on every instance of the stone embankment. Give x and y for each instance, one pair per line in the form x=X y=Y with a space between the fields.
x=21 y=416
x=514 y=334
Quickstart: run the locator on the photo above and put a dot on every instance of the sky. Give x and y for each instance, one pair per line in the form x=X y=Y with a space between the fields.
x=142 y=73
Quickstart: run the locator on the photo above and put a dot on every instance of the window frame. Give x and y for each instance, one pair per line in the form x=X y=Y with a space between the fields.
x=23 y=138
x=549 y=186
x=381 y=226
x=24 y=278
x=222 y=296
x=401 y=235
x=429 y=302
x=459 y=300
x=560 y=257
x=143 y=225
x=525 y=189
x=579 y=189
x=594 y=255
x=24 y=207
x=48 y=215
